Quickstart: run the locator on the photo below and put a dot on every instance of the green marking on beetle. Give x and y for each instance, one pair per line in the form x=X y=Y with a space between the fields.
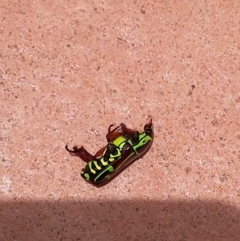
x=111 y=159
x=114 y=157
x=90 y=167
x=103 y=162
x=119 y=141
x=117 y=154
x=96 y=165
x=109 y=168
x=87 y=176
x=142 y=142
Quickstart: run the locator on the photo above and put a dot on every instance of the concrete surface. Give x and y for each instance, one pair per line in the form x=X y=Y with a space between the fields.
x=68 y=69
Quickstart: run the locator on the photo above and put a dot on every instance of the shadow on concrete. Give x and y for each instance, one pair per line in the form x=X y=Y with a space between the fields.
x=119 y=221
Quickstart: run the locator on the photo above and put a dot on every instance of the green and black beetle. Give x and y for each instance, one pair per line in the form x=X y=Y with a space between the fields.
x=124 y=147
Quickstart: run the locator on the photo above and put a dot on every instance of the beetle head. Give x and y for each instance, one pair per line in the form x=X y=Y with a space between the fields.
x=148 y=128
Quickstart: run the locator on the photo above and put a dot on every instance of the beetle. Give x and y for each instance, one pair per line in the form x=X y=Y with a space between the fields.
x=124 y=147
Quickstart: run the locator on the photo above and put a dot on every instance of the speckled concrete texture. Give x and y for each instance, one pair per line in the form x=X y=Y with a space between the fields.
x=69 y=69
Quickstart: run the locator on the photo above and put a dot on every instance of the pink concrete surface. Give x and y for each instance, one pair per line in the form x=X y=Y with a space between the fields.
x=69 y=69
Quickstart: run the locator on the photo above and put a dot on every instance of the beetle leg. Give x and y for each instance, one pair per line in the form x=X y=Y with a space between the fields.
x=100 y=152
x=126 y=151
x=111 y=149
x=148 y=127
x=81 y=152
x=134 y=135
x=113 y=134
x=110 y=127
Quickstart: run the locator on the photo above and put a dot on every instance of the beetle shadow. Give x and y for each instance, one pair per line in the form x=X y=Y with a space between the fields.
x=119 y=220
